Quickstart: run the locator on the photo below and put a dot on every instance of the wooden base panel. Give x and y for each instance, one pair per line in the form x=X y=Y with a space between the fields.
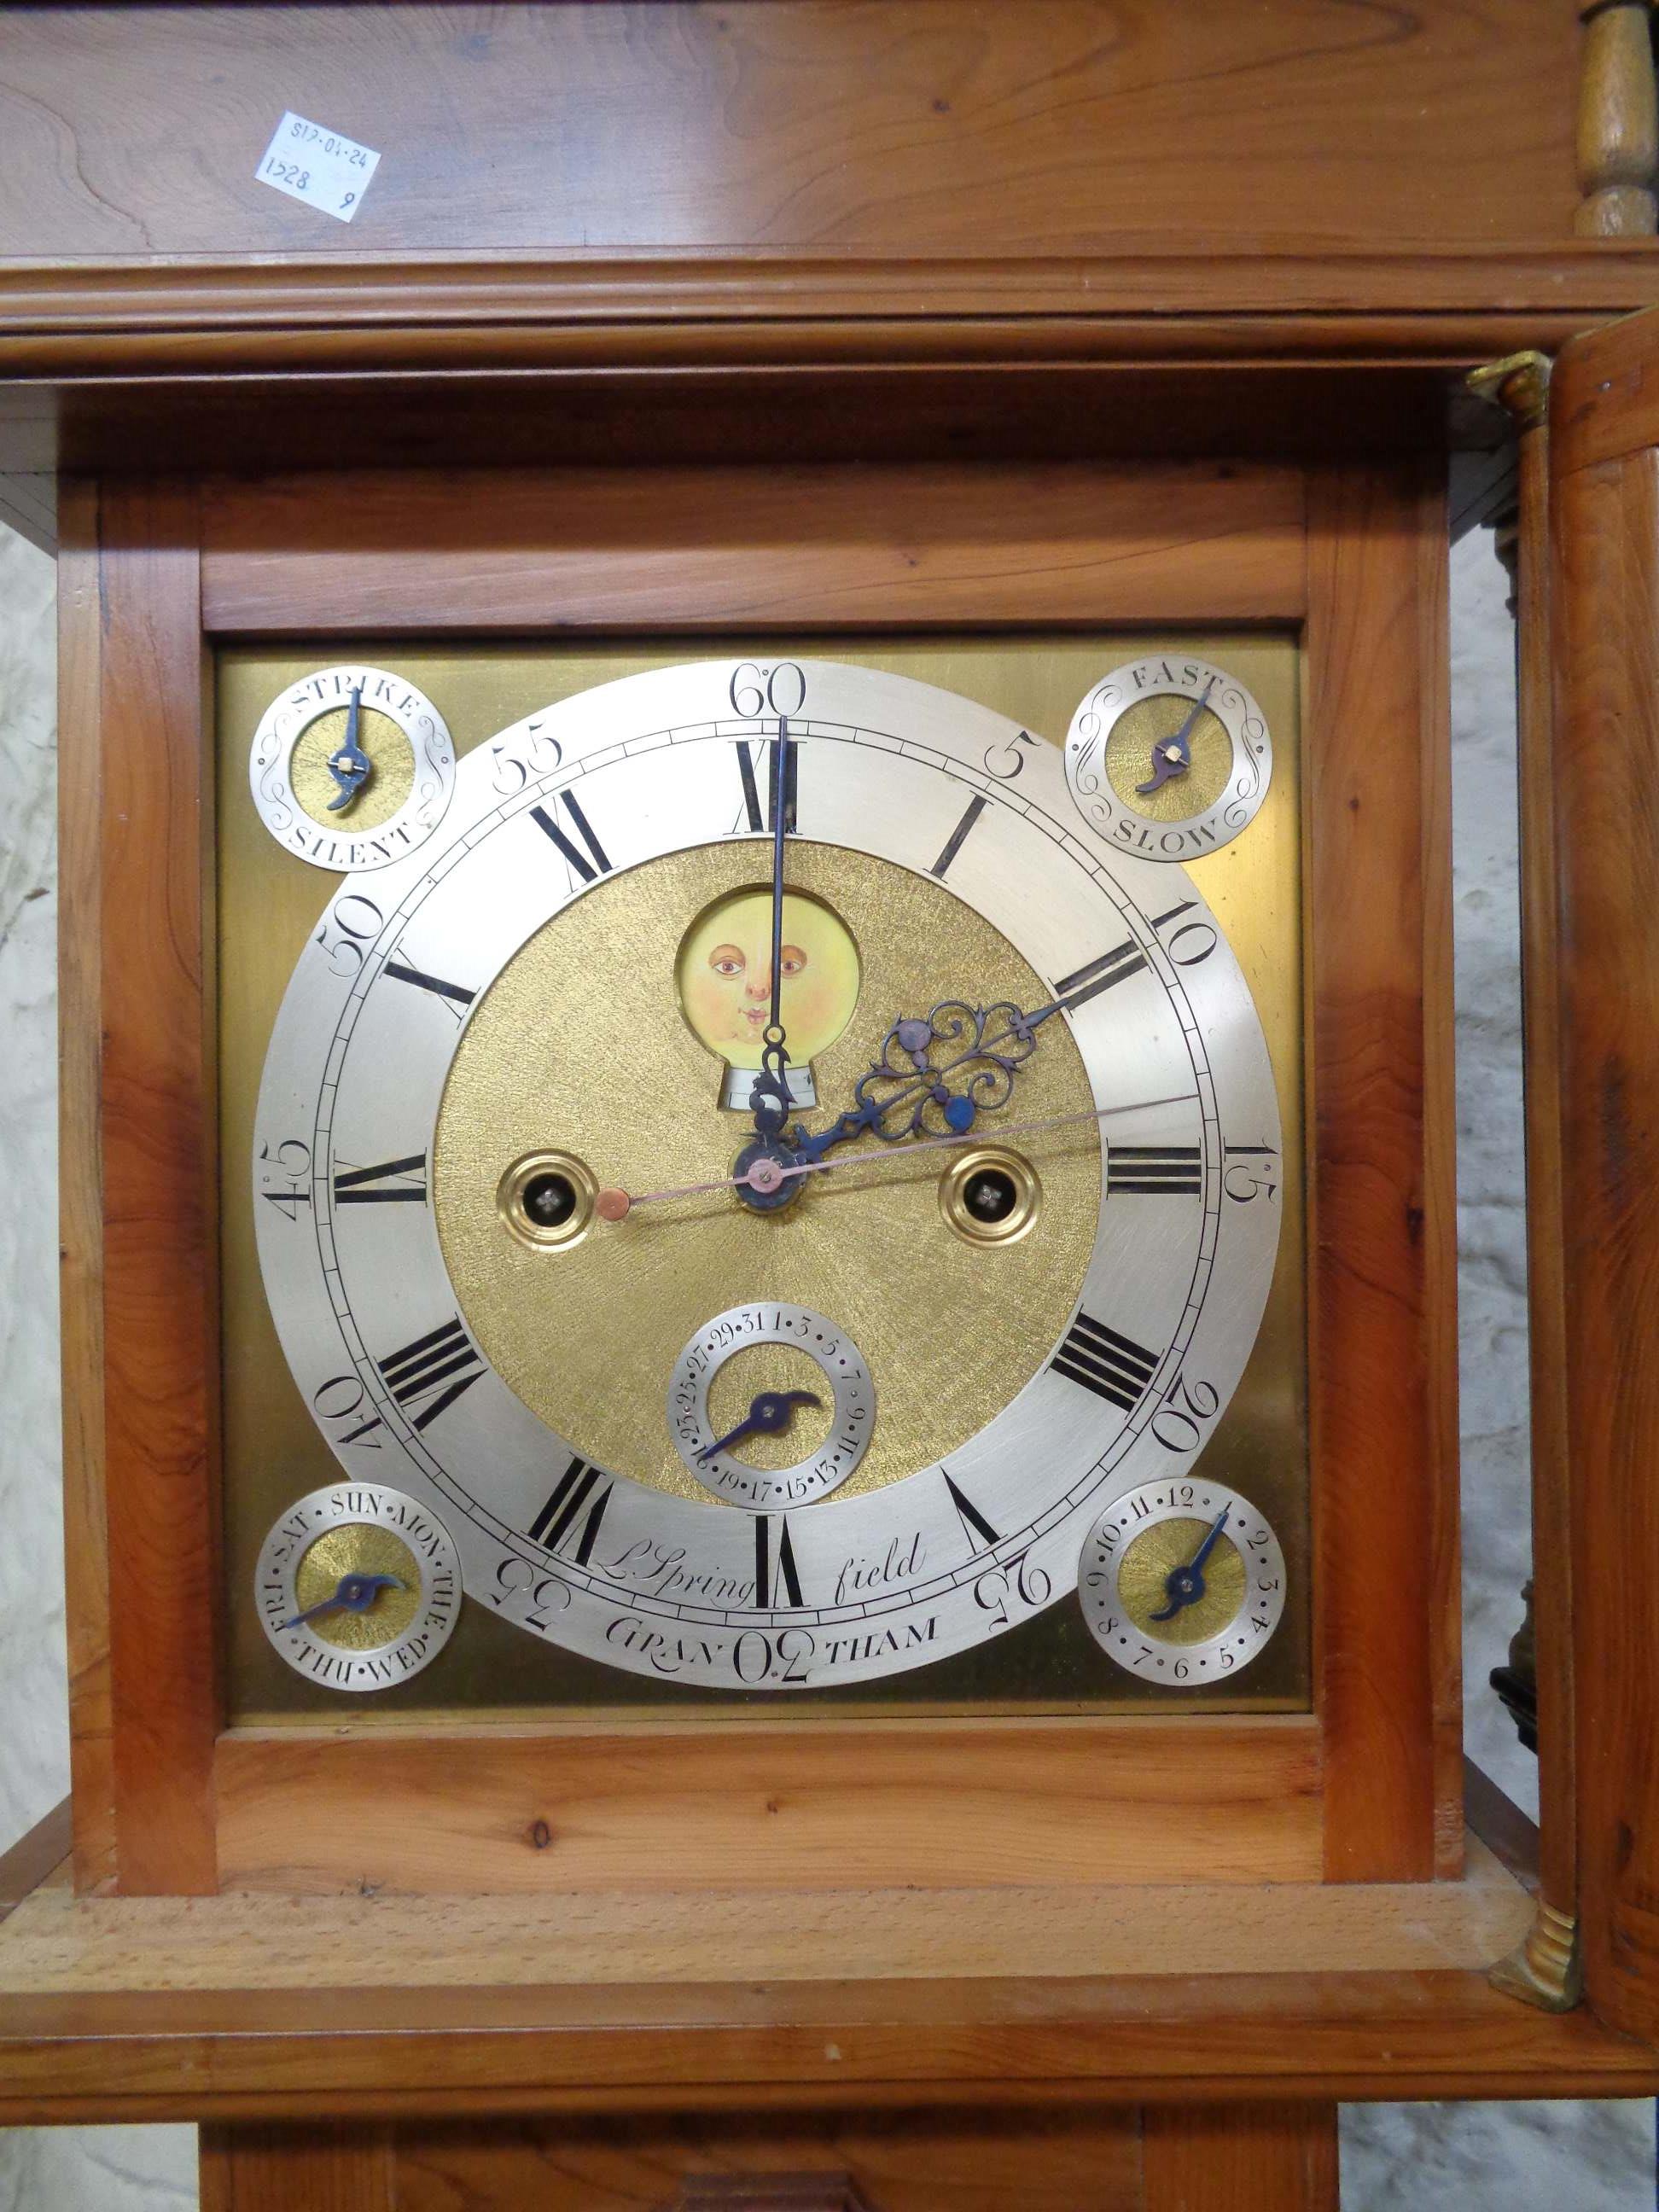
x=275 y=2009
x=1271 y=2158
x=820 y=1808
x=56 y=1944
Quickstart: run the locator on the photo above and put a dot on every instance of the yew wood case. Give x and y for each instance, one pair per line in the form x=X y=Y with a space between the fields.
x=989 y=359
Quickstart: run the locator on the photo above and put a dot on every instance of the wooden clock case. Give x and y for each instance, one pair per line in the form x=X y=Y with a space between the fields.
x=1168 y=1944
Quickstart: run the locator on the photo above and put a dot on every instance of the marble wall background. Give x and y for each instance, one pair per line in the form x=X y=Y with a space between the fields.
x=1487 y=2158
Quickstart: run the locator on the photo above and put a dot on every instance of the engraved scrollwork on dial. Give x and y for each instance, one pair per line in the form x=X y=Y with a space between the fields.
x=1168 y=757
x=352 y=768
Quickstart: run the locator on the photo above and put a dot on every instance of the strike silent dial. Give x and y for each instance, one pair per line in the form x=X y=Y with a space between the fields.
x=358 y=1586
x=352 y=768
x=1168 y=757
x=1181 y=1582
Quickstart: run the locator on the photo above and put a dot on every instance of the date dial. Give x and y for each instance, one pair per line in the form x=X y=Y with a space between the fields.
x=1181 y=1582
x=769 y=1376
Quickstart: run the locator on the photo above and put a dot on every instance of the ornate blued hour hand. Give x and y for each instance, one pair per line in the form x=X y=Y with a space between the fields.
x=1174 y=756
x=353 y=1594
x=1184 y=1586
x=771 y=1412
x=769 y=1098
x=349 y=766
x=935 y=1075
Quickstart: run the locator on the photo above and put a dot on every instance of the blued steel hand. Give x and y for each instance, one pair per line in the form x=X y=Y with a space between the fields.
x=988 y=1059
x=769 y=1413
x=769 y=1097
x=349 y=766
x=354 y=1594
x=1185 y=1585
x=767 y=1173
x=1174 y=756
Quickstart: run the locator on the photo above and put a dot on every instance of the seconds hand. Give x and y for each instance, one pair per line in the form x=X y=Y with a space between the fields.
x=767 y=1175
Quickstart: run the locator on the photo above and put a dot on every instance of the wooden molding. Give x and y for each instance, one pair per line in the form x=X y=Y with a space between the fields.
x=1428 y=304
x=330 y=2053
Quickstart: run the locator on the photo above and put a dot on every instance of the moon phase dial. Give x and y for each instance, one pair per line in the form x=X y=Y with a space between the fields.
x=1181 y=1582
x=358 y=1586
x=752 y=1385
x=1168 y=757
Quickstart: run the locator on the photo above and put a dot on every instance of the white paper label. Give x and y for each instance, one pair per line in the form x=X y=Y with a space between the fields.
x=323 y=168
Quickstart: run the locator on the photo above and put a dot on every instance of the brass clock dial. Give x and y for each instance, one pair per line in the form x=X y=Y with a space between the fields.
x=351 y=768
x=1168 y=757
x=1181 y=1581
x=358 y=1586
x=504 y=1179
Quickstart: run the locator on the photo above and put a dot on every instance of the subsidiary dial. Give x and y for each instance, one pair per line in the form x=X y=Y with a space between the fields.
x=358 y=1586
x=764 y=1371
x=352 y=768
x=1168 y=757
x=1181 y=1582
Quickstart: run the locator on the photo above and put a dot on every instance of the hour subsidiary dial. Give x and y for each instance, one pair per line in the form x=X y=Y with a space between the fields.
x=352 y=769
x=358 y=1587
x=1035 y=1067
x=1168 y=757
x=1181 y=1582
x=760 y=1373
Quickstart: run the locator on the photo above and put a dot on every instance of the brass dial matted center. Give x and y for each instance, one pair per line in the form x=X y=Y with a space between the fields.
x=581 y=1045
x=1142 y=1583
x=390 y=781
x=1131 y=758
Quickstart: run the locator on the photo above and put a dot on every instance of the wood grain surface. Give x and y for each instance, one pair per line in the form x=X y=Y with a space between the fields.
x=1271 y=2158
x=950 y=2161
x=321 y=2167
x=56 y=1944
x=665 y=550
x=342 y=2052
x=917 y=127
x=1383 y=1307
x=1607 y=776
x=822 y=1807
x=36 y=1854
x=1618 y=135
x=160 y=1359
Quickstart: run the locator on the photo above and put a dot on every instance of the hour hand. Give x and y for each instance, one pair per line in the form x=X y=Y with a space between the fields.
x=1174 y=756
x=349 y=766
x=1185 y=1585
x=353 y=1594
x=935 y=1075
x=769 y=1411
